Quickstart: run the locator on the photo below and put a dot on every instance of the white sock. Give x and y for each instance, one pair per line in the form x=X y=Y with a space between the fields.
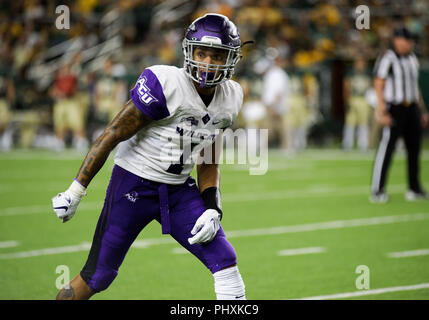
x=6 y=140
x=59 y=145
x=80 y=144
x=363 y=137
x=348 y=137
x=229 y=284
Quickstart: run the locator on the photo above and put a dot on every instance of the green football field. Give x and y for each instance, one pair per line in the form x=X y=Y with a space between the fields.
x=301 y=230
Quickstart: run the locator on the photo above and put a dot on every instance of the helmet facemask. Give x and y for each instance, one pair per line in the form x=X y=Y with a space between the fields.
x=205 y=74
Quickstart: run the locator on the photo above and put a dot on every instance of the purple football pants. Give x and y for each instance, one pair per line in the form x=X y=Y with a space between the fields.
x=131 y=203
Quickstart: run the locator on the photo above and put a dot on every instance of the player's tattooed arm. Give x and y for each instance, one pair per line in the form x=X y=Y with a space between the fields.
x=209 y=177
x=126 y=123
x=208 y=170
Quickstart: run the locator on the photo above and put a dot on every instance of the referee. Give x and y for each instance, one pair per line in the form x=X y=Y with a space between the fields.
x=401 y=112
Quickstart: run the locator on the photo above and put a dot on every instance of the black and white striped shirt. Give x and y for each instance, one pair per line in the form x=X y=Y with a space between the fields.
x=401 y=74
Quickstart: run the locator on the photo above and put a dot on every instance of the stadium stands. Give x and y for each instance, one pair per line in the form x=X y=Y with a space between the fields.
x=318 y=39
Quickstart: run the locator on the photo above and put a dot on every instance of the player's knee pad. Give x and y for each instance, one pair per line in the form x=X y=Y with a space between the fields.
x=229 y=285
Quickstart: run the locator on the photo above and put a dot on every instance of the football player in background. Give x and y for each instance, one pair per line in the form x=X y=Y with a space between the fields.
x=275 y=95
x=356 y=84
x=170 y=108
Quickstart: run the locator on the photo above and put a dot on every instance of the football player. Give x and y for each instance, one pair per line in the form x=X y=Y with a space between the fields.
x=174 y=115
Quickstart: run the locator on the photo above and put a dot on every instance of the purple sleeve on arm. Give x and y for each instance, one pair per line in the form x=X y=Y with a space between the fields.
x=148 y=96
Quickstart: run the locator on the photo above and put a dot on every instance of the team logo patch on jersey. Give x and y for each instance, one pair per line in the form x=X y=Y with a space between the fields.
x=191 y=121
x=132 y=196
x=144 y=91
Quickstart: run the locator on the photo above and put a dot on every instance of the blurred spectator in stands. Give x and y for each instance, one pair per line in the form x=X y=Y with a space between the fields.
x=168 y=50
x=214 y=6
x=33 y=10
x=312 y=95
x=21 y=52
x=311 y=33
x=253 y=112
x=26 y=115
x=374 y=126
x=69 y=113
x=18 y=114
x=86 y=7
x=252 y=117
x=275 y=94
x=7 y=100
x=109 y=96
x=298 y=115
x=356 y=84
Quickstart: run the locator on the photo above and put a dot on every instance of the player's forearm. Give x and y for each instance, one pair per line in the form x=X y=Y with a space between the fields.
x=208 y=172
x=208 y=176
x=208 y=182
x=96 y=157
x=421 y=103
x=379 y=88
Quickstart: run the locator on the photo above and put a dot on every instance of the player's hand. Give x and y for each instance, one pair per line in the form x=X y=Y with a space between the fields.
x=65 y=203
x=206 y=227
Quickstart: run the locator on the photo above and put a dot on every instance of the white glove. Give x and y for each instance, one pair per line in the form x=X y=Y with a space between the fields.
x=207 y=226
x=65 y=203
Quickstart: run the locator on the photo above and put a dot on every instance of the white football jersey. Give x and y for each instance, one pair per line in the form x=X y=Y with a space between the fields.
x=167 y=149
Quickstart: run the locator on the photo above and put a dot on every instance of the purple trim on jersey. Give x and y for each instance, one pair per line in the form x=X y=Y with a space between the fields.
x=148 y=96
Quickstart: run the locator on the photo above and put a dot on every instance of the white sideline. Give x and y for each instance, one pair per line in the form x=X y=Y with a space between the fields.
x=328 y=225
x=406 y=254
x=254 y=196
x=299 y=251
x=368 y=292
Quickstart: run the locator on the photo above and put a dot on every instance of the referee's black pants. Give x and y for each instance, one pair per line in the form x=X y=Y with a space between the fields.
x=406 y=124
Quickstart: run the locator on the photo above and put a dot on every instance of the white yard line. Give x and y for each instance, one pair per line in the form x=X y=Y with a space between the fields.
x=300 y=251
x=368 y=292
x=179 y=250
x=9 y=244
x=328 y=225
x=406 y=254
x=45 y=209
x=336 y=224
x=314 y=191
x=28 y=186
x=84 y=246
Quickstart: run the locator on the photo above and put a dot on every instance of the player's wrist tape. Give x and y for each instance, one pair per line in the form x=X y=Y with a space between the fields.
x=211 y=198
x=77 y=189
